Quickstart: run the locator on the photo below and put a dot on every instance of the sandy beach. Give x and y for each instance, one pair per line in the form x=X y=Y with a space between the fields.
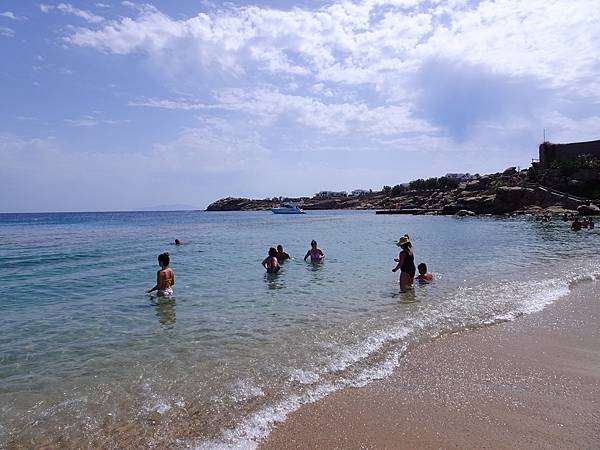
x=527 y=384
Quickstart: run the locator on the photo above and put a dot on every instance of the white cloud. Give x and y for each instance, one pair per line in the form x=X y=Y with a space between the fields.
x=85 y=121
x=368 y=41
x=7 y=32
x=93 y=120
x=67 y=8
x=269 y=105
x=12 y=16
x=179 y=104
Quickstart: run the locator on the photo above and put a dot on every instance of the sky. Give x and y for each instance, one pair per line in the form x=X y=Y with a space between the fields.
x=108 y=106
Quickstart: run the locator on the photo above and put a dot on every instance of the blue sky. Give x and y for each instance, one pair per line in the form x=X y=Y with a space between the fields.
x=126 y=105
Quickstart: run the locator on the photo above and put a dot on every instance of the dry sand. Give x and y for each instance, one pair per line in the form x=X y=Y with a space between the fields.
x=529 y=384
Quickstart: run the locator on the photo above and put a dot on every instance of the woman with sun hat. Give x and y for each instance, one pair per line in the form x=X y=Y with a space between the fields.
x=406 y=263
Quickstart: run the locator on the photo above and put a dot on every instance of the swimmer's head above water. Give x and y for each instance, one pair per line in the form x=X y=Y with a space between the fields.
x=163 y=259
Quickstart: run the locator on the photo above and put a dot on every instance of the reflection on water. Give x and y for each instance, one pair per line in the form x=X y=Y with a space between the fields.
x=315 y=265
x=165 y=311
x=408 y=296
x=274 y=281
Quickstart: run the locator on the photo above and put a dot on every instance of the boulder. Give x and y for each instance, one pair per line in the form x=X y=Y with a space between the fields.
x=588 y=210
x=511 y=198
x=474 y=185
x=510 y=171
x=481 y=204
x=465 y=212
x=450 y=209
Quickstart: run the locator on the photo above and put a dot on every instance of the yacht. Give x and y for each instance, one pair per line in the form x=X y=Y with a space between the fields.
x=288 y=208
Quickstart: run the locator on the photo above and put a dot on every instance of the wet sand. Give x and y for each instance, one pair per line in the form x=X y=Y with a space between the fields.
x=533 y=383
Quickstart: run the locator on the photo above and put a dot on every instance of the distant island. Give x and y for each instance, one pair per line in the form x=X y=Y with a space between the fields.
x=566 y=178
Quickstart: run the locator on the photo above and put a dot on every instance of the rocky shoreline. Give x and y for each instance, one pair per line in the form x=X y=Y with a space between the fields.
x=507 y=192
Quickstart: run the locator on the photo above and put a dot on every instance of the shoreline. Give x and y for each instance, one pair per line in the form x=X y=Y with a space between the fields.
x=529 y=383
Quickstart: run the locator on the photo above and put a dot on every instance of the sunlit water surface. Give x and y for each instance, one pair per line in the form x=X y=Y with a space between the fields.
x=88 y=359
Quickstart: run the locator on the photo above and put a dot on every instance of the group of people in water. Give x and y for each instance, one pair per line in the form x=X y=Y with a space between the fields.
x=276 y=256
x=577 y=224
x=406 y=266
x=405 y=260
x=165 y=277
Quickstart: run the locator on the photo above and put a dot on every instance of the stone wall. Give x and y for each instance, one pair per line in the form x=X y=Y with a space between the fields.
x=550 y=152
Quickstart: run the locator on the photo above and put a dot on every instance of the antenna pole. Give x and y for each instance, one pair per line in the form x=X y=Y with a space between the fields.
x=544 y=135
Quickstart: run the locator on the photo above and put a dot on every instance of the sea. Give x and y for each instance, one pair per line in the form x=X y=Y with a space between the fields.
x=89 y=360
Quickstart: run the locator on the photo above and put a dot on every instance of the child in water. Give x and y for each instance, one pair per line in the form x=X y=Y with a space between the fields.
x=424 y=277
x=165 y=277
x=315 y=253
x=270 y=262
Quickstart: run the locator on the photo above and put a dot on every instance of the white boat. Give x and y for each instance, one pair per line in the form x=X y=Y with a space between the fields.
x=288 y=208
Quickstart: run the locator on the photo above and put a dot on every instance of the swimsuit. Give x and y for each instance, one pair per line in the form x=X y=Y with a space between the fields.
x=167 y=291
x=408 y=265
x=315 y=255
x=273 y=266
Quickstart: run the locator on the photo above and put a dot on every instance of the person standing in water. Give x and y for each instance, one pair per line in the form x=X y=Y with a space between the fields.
x=281 y=255
x=270 y=262
x=165 y=277
x=406 y=263
x=315 y=253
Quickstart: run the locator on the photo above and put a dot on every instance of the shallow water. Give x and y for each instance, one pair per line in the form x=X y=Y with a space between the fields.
x=85 y=353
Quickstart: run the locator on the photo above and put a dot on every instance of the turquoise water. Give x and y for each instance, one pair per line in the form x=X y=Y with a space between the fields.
x=84 y=351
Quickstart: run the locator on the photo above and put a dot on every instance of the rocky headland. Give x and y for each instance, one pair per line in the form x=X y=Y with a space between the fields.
x=508 y=192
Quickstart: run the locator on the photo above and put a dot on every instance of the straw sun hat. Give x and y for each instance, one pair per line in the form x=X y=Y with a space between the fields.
x=403 y=240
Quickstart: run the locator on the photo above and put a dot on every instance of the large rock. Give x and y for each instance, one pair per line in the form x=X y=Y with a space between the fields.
x=510 y=171
x=474 y=185
x=482 y=204
x=465 y=212
x=511 y=198
x=450 y=209
x=588 y=210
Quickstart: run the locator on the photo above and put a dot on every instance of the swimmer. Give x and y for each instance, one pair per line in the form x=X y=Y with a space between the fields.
x=576 y=225
x=177 y=242
x=315 y=253
x=424 y=277
x=165 y=277
x=281 y=255
x=270 y=262
x=590 y=223
x=406 y=263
